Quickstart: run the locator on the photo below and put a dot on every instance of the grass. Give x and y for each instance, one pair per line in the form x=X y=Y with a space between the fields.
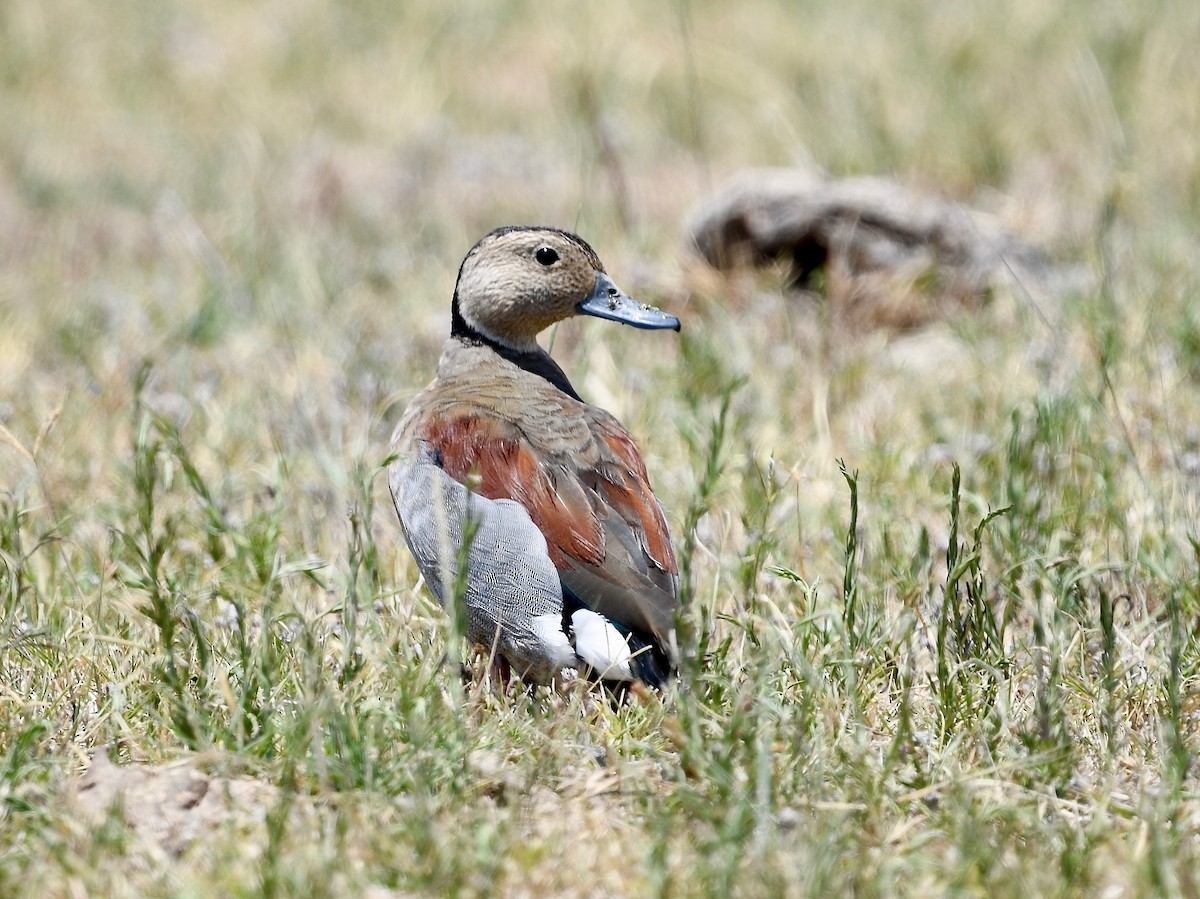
x=942 y=587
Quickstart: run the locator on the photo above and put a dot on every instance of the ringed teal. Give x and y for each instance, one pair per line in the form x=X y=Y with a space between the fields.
x=569 y=562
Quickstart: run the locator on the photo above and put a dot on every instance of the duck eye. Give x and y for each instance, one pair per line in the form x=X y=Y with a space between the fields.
x=546 y=255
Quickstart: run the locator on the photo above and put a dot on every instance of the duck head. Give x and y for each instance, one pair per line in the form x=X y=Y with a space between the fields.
x=519 y=280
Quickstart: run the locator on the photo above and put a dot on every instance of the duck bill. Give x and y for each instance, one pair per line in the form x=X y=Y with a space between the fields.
x=608 y=301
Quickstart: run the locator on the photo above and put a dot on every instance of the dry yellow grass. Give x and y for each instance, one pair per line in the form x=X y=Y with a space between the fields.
x=228 y=237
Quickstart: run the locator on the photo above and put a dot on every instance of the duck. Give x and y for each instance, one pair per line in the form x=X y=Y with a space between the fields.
x=520 y=500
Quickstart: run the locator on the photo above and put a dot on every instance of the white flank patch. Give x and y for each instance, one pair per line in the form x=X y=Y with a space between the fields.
x=555 y=643
x=601 y=645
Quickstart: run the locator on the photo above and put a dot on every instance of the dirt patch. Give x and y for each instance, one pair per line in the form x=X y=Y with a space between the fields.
x=172 y=805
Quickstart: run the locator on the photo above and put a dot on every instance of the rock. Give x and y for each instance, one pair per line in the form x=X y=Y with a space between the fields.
x=898 y=255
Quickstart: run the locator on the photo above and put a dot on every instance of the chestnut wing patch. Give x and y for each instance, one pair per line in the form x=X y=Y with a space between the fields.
x=507 y=467
x=633 y=499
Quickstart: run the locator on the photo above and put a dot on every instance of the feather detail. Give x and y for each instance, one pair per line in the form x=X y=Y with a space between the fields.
x=634 y=499
x=601 y=645
x=507 y=468
x=554 y=642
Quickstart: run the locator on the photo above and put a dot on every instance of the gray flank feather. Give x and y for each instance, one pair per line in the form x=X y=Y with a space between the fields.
x=510 y=581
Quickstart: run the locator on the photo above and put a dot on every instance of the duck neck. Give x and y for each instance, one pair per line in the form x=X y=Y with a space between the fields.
x=536 y=360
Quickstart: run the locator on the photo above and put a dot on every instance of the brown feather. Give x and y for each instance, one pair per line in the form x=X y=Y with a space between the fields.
x=508 y=469
x=634 y=499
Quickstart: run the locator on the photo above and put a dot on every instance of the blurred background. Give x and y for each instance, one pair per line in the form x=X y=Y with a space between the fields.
x=275 y=196
x=229 y=233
